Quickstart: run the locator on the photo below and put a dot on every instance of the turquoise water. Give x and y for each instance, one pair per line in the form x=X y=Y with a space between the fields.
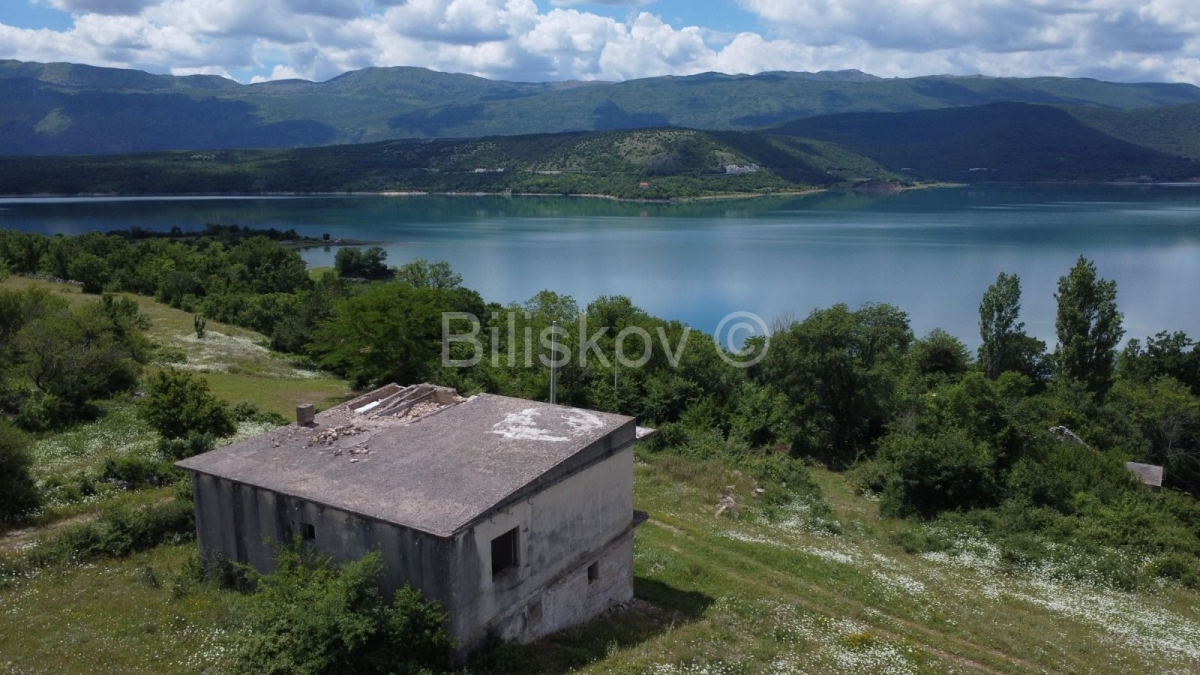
x=932 y=252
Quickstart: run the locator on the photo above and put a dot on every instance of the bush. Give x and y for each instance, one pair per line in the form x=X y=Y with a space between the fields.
x=182 y=448
x=929 y=475
x=118 y=532
x=132 y=472
x=43 y=412
x=248 y=412
x=179 y=405
x=310 y=616
x=1183 y=568
x=18 y=494
x=90 y=270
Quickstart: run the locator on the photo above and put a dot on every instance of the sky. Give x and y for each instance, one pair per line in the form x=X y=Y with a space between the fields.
x=550 y=40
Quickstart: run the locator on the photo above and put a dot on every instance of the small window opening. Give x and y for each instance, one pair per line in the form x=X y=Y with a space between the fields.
x=593 y=572
x=504 y=552
x=308 y=532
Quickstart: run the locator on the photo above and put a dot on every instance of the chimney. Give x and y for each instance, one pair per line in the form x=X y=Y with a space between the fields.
x=305 y=414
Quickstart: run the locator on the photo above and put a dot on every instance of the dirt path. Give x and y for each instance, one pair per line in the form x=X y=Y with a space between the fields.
x=12 y=542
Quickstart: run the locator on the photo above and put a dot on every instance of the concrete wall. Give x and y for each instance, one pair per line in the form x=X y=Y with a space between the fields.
x=239 y=522
x=584 y=519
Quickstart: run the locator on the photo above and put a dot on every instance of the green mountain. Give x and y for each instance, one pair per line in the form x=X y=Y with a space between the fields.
x=1174 y=130
x=648 y=164
x=994 y=142
x=74 y=109
x=1008 y=142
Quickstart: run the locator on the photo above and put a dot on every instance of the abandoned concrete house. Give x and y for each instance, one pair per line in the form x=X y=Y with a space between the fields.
x=517 y=516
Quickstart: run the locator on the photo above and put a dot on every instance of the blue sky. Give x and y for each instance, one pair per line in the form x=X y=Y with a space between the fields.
x=543 y=40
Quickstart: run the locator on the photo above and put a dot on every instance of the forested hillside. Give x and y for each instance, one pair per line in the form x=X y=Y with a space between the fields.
x=1000 y=142
x=1009 y=142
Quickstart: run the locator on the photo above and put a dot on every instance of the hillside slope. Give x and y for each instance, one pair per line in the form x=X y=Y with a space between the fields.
x=74 y=109
x=1173 y=130
x=995 y=142
x=651 y=164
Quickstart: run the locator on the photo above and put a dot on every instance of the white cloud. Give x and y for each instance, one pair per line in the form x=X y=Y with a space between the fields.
x=112 y=7
x=610 y=3
x=513 y=39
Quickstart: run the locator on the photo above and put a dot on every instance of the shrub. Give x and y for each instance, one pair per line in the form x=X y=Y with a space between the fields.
x=917 y=540
x=1181 y=567
x=179 y=405
x=90 y=270
x=310 y=616
x=118 y=532
x=43 y=412
x=135 y=472
x=248 y=412
x=18 y=494
x=182 y=448
x=929 y=475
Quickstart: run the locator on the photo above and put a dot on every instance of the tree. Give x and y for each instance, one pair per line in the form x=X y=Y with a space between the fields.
x=1005 y=346
x=927 y=475
x=389 y=333
x=938 y=356
x=267 y=267
x=1088 y=326
x=423 y=274
x=348 y=261
x=1166 y=354
x=91 y=271
x=83 y=354
x=18 y=494
x=838 y=370
x=178 y=405
x=368 y=264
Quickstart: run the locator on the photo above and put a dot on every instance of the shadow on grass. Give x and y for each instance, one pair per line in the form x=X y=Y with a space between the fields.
x=657 y=609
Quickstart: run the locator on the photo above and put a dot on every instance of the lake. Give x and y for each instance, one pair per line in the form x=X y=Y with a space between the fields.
x=930 y=252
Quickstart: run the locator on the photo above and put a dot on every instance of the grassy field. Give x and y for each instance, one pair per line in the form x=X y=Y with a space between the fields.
x=796 y=590
x=715 y=595
x=235 y=361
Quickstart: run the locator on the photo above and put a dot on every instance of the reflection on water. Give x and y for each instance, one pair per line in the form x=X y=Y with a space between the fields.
x=930 y=252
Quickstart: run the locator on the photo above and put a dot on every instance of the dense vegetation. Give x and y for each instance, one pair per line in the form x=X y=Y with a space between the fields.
x=346 y=626
x=1008 y=142
x=1022 y=444
x=647 y=164
x=1172 y=130
x=1004 y=142
x=73 y=109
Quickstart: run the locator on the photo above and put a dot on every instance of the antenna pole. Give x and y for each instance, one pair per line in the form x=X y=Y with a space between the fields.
x=616 y=368
x=553 y=359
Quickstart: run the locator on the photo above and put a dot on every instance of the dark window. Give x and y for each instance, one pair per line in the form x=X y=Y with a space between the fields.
x=593 y=572
x=308 y=532
x=504 y=551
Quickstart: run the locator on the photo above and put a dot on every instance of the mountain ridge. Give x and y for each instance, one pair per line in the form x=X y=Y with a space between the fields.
x=74 y=109
x=997 y=142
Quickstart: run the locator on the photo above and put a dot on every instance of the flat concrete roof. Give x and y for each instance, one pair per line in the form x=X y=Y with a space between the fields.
x=436 y=473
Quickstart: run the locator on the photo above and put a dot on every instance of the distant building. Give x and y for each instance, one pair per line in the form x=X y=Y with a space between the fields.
x=1147 y=473
x=517 y=516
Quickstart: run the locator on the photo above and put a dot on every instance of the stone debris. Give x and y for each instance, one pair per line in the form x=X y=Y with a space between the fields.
x=727 y=505
x=419 y=410
x=332 y=434
x=1067 y=436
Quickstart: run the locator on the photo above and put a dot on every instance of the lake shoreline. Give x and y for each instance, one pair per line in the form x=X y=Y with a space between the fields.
x=890 y=189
